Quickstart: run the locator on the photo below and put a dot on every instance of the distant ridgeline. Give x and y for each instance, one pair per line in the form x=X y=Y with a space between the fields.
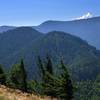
x=87 y=29
x=82 y=59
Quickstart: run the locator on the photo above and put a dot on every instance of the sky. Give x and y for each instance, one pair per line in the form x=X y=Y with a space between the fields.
x=34 y=12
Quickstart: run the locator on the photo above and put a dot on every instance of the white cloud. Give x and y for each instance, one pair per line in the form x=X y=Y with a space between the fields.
x=85 y=16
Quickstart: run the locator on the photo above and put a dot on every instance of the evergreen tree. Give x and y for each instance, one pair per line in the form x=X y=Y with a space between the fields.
x=24 y=76
x=65 y=85
x=49 y=85
x=2 y=76
x=18 y=77
x=41 y=67
x=48 y=65
x=54 y=86
x=47 y=76
x=39 y=84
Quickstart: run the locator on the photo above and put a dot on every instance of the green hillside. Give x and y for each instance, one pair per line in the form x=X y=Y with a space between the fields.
x=82 y=59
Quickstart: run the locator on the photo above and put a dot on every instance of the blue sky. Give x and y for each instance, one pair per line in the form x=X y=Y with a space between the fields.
x=34 y=12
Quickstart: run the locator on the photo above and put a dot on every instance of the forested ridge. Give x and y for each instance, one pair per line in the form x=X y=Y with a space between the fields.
x=56 y=64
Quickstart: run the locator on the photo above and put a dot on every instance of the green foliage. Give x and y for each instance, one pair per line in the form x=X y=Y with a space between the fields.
x=2 y=76
x=49 y=85
x=46 y=70
x=48 y=65
x=66 y=87
x=84 y=90
x=31 y=86
x=79 y=55
x=18 y=77
x=96 y=89
x=88 y=90
x=54 y=86
x=49 y=78
x=41 y=68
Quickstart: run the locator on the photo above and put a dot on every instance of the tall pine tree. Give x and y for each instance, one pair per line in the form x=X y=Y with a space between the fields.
x=65 y=87
x=2 y=76
x=49 y=82
x=41 y=68
x=18 y=77
x=49 y=65
x=56 y=86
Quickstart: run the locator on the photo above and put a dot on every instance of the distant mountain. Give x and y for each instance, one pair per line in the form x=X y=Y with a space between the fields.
x=6 y=28
x=14 y=41
x=82 y=59
x=87 y=29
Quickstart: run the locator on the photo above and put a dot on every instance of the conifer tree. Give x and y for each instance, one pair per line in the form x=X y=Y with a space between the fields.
x=18 y=77
x=39 y=84
x=2 y=76
x=48 y=65
x=24 y=76
x=56 y=86
x=47 y=76
x=41 y=67
x=65 y=87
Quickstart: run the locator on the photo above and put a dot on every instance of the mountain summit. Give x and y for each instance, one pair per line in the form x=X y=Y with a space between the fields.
x=87 y=29
x=83 y=59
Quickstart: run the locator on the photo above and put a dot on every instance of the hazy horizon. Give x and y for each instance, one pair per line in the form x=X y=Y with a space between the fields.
x=31 y=13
